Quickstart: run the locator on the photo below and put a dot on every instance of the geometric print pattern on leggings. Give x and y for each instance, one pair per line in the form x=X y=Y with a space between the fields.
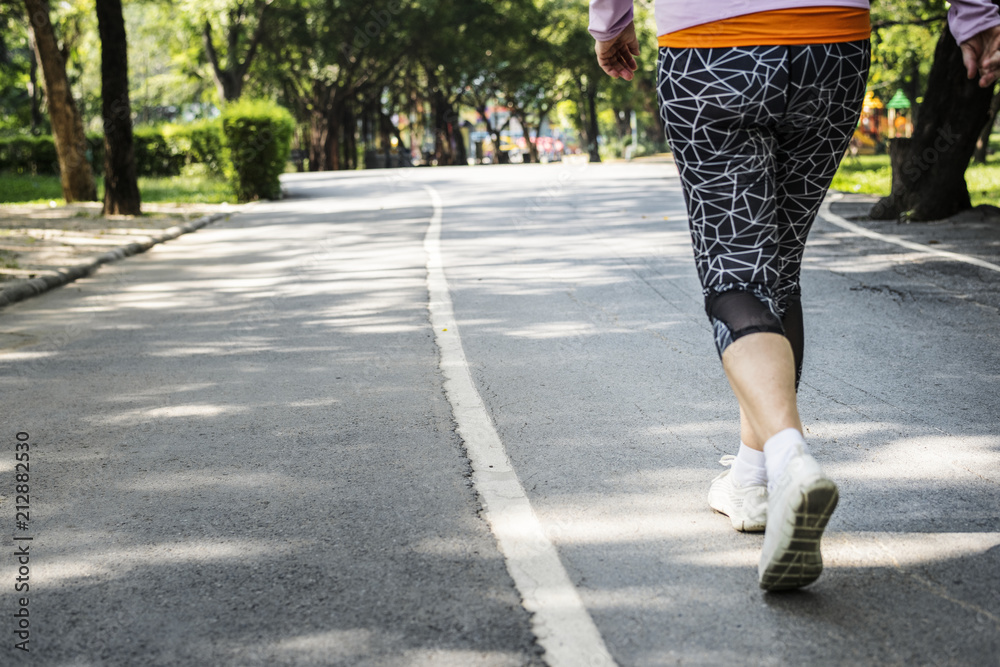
x=757 y=133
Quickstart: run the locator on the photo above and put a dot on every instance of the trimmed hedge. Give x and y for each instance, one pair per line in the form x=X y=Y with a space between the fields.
x=258 y=140
x=29 y=155
x=158 y=151
x=199 y=142
x=153 y=156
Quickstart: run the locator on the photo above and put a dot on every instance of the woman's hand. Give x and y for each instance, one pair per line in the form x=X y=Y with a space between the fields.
x=617 y=56
x=981 y=55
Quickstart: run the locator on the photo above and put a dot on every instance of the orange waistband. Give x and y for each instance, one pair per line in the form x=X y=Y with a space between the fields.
x=799 y=25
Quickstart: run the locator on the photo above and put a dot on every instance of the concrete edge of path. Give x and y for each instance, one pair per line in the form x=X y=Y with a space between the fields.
x=67 y=274
x=827 y=214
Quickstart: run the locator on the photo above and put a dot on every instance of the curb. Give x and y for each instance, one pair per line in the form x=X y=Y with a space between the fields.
x=36 y=286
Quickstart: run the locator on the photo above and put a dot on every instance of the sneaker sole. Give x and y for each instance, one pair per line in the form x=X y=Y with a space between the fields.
x=741 y=526
x=797 y=562
x=719 y=505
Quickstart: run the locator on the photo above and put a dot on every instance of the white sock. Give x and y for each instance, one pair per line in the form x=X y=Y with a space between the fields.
x=749 y=467
x=778 y=450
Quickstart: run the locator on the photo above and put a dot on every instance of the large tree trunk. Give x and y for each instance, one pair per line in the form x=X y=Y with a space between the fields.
x=121 y=189
x=67 y=126
x=928 y=181
x=983 y=142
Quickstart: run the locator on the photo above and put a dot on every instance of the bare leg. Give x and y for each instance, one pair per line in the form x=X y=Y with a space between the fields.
x=747 y=435
x=761 y=371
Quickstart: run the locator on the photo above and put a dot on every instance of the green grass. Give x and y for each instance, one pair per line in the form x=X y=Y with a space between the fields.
x=8 y=260
x=867 y=174
x=871 y=174
x=188 y=188
x=194 y=188
x=22 y=189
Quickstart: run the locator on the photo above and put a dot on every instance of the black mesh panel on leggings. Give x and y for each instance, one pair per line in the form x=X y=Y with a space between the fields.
x=738 y=313
x=794 y=331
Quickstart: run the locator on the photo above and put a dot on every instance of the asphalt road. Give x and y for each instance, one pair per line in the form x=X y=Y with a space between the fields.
x=242 y=452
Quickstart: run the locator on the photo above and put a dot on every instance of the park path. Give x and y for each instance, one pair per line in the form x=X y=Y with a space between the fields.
x=242 y=451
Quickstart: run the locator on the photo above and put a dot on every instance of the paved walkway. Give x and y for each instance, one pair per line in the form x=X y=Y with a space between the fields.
x=243 y=453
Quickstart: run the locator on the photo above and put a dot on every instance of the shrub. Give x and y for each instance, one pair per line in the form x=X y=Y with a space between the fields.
x=153 y=156
x=29 y=155
x=95 y=152
x=199 y=142
x=257 y=136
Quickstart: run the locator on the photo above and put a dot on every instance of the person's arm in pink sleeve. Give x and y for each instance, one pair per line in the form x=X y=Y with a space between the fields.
x=967 y=18
x=608 y=18
x=975 y=24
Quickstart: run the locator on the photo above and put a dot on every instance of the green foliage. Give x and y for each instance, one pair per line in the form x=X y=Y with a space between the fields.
x=28 y=155
x=158 y=151
x=153 y=156
x=257 y=136
x=199 y=142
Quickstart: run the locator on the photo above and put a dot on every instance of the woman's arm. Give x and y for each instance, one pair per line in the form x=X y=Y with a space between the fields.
x=975 y=24
x=608 y=18
x=967 y=18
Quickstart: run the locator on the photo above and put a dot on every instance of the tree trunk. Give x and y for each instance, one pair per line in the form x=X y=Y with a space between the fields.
x=350 y=138
x=67 y=126
x=458 y=142
x=532 y=145
x=36 y=98
x=229 y=79
x=317 y=139
x=225 y=78
x=592 y=131
x=331 y=149
x=929 y=170
x=121 y=188
x=983 y=142
x=444 y=119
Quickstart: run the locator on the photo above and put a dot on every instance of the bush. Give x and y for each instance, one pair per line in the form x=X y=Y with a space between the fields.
x=95 y=152
x=257 y=136
x=29 y=155
x=153 y=156
x=199 y=142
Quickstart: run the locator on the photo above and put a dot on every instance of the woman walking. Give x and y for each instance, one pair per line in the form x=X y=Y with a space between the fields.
x=759 y=101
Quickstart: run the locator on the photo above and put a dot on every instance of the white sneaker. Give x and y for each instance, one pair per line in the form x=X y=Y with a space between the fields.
x=746 y=506
x=798 y=510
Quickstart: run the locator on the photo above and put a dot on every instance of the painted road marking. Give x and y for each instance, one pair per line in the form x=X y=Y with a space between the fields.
x=835 y=219
x=560 y=621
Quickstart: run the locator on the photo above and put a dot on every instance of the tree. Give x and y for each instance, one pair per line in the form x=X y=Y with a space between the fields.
x=928 y=170
x=242 y=17
x=67 y=125
x=121 y=188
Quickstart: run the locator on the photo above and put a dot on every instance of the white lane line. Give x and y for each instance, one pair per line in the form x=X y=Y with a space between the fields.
x=560 y=621
x=833 y=218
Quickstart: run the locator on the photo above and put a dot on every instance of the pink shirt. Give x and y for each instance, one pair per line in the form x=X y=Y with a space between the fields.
x=609 y=17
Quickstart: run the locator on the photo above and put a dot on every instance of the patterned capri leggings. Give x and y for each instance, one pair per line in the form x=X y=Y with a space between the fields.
x=758 y=133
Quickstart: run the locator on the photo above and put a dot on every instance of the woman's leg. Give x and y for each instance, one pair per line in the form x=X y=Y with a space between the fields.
x=750 y=130
x=826 y=88
x=719 y=107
